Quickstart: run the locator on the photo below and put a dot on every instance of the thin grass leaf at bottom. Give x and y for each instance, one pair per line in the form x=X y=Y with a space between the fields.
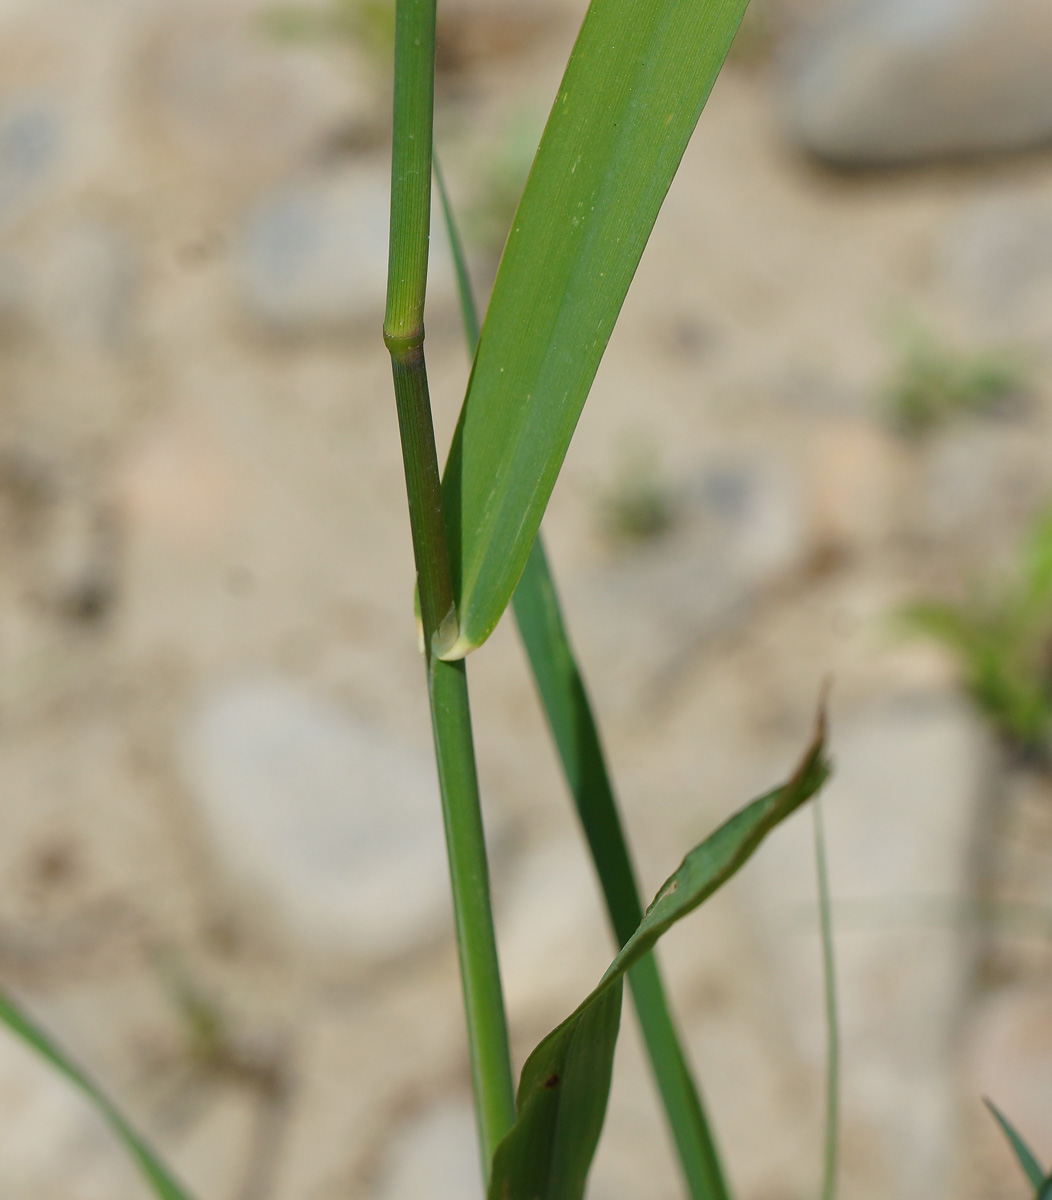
x=1024 y=1155
x=156 y=1174
x=564 y=1087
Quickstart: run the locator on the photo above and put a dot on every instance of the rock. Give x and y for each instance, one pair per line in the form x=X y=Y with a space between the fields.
x=314 y=253
x=889 y=81
x=976 y=482
x=334 y=823
x=85 y=287
x=237 y=99
x=31 y=139
x=899 y=814
x=740 y=526
x=997 y=254
x=52 y=1145
x=436 y=1156
x=555 y=941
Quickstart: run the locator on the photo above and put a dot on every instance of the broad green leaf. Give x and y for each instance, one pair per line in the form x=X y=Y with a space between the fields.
x=161 y=1181
x=1026 y=1159
x=565 y=1083
x=634 y=87
x=576 y=735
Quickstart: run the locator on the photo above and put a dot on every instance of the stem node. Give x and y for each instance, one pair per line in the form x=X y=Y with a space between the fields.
x=406 y=348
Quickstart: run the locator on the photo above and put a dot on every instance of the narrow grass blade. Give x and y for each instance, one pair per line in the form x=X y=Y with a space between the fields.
x=161 y=1181
x=576 y=735
x=469 y=312
x=1026 y=1159
x=825 y=909
x=635 y=85
x=565 y=1083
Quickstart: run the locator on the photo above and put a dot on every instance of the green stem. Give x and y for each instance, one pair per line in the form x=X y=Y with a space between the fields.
x=825 y=908
x=480 y=974
x=447 y=682
x=414 y=107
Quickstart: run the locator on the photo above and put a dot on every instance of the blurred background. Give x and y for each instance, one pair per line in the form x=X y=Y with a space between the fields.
x=818 y=446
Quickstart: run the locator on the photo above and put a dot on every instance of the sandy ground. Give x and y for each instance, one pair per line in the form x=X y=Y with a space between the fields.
x=189 y=495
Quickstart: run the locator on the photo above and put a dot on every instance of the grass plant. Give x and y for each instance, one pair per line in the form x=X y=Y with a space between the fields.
x=935 y=383
x=640 y=505
x=634 y=87
x=1002 y=640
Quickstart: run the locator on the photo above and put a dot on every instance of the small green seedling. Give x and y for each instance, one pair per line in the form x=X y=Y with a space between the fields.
x=1003 y=644
x=367 y=24
x=640 y=505
x=935 y=384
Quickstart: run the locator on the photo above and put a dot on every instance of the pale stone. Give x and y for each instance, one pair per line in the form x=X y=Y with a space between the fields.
x=885 y=81
x=334 y=823
x=238 y=99
x=31 y=141
x=554 y=936
x=436 y=1156
x=53 y=1146
x=899 y=811
x=314 y=253
x=741 y=528
x=84 y=287
x=997 y=254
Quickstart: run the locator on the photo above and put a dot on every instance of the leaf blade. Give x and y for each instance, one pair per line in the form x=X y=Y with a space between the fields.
x=831 y=1146
x=1023 y=1153
x=565 y=1083
x=634 y=88
x=576 y=735
x=160 y=1179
